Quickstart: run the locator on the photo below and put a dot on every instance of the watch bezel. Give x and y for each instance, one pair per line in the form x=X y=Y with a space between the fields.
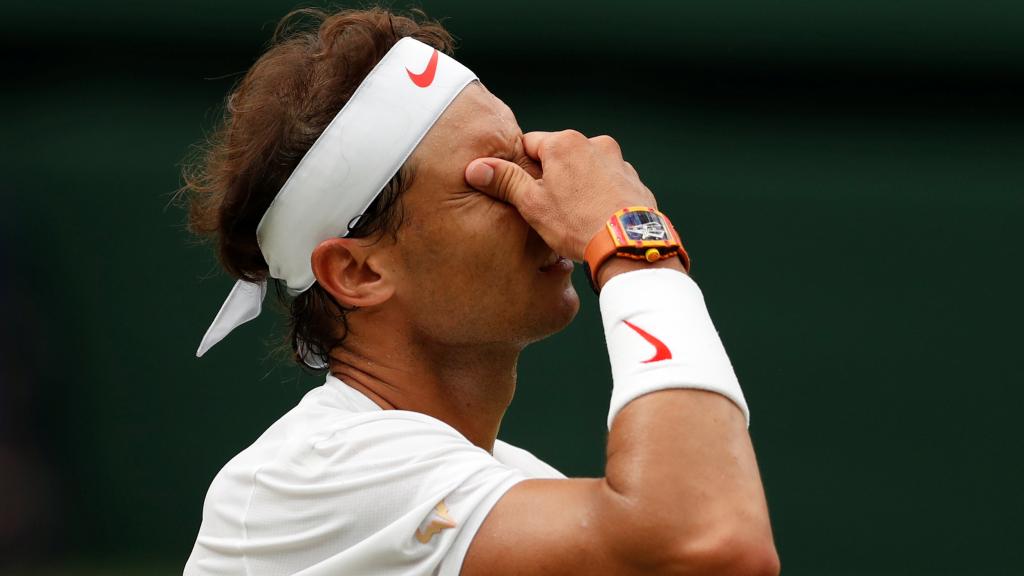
x=620 y=235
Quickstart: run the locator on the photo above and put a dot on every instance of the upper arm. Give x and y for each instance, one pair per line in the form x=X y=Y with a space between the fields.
x=556 y=527
x=687 y=501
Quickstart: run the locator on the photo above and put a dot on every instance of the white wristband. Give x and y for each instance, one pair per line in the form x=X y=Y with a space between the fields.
x=660 y=337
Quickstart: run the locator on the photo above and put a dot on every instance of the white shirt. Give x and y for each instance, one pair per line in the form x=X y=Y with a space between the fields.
x=339 y=486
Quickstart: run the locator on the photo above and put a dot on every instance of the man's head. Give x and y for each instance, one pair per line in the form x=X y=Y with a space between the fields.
x=431 y=253
x=463 y=268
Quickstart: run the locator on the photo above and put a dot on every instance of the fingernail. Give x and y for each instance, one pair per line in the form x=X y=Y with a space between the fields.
x=480 y=174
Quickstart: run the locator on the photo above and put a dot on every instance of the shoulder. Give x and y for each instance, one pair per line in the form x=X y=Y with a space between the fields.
x=525 y=461
x=310 y=445
x=396 y=490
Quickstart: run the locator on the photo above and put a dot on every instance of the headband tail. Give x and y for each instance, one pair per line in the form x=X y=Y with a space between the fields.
x=244 y=303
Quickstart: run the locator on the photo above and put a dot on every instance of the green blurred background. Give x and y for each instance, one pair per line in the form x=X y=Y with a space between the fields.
x=847 y=175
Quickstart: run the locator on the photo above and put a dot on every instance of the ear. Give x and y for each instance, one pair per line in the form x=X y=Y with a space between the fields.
x=351 y=273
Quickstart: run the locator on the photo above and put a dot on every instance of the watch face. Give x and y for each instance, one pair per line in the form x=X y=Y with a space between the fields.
x=643 y=226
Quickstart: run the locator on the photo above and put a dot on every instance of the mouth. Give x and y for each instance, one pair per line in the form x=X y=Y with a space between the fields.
x=556 y=263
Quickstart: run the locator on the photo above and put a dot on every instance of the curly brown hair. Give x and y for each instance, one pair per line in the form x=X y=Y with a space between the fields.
x=313 y=65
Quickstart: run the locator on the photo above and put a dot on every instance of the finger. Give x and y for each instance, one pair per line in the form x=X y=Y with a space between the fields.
x=532 y=142
x=501 y=179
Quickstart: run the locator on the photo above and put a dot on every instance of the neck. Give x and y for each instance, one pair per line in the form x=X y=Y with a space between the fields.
x=467 y=386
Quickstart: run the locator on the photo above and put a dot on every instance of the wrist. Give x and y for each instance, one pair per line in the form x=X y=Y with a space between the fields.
x=660 y=337
x=634 y=237
x=615 y=266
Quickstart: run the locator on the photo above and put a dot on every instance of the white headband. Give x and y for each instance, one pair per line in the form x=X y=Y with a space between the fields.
x=346 y=168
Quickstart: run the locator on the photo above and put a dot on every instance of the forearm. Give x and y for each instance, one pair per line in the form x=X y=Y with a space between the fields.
x=681 y=465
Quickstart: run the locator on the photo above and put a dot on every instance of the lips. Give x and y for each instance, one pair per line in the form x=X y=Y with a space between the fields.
x=551 y=259
x=554 y=262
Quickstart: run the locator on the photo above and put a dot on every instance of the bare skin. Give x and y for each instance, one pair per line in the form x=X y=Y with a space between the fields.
x=446 y=308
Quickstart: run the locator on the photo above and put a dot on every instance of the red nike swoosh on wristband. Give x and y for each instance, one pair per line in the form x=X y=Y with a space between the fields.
x=661 y=351
x=425 y=78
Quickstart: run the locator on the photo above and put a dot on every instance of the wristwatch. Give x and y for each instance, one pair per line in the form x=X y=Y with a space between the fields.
x=635 y=232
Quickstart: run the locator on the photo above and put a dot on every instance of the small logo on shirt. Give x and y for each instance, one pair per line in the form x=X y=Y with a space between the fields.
x=437 y=521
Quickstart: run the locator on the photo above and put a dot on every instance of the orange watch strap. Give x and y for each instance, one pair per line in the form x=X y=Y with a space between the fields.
x=600 y=248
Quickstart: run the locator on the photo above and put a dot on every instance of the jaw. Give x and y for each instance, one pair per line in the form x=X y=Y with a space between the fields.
x=556 y=316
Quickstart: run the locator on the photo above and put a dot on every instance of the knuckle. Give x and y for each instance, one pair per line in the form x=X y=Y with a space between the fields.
x=549 y=148
x=607 y=142
x=560 y=143
x=572 y=135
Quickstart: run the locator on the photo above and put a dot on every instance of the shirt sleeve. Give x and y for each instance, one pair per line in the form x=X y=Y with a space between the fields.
x=386 y=493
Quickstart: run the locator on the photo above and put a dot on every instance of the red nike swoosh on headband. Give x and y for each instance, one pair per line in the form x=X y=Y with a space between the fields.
x=425 y=78
x=661 y=351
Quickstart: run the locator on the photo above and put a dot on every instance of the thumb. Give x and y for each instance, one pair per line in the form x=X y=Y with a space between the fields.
x=501 y=179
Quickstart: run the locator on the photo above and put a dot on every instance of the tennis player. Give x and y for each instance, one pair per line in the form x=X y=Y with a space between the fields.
x=420 y=241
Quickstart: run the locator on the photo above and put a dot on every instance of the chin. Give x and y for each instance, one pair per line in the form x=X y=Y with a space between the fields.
x=559 y=313
x=571 y=305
